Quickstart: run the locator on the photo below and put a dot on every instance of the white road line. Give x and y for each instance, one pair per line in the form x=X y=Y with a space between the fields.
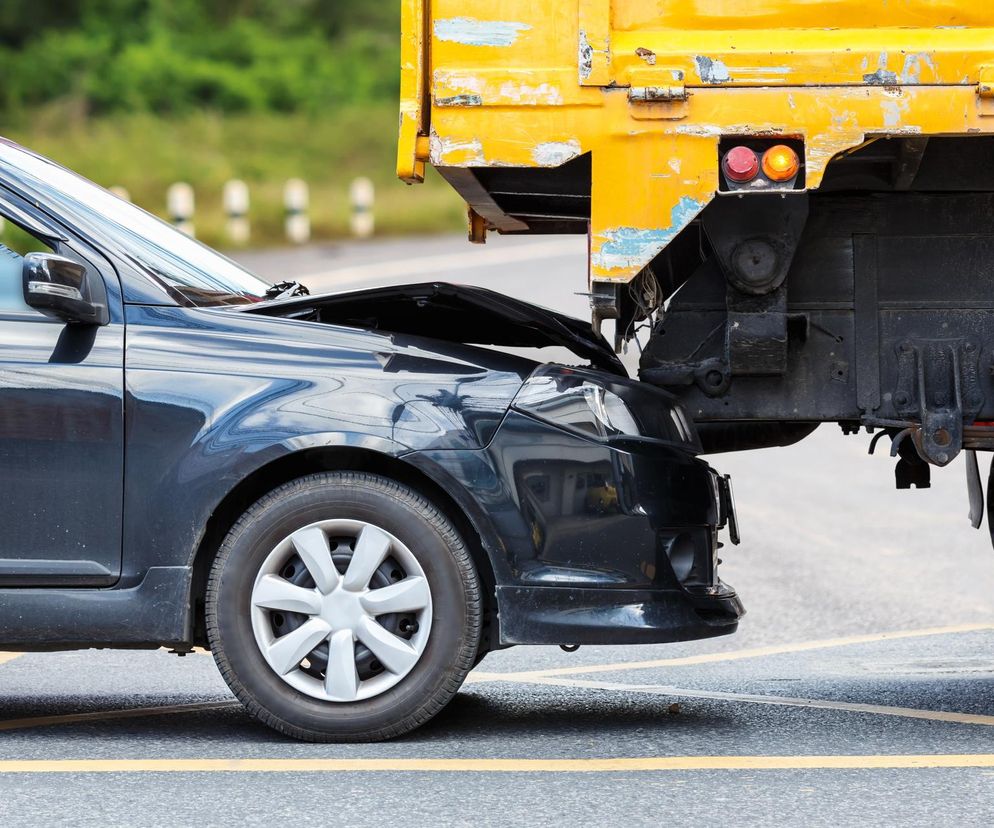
x=784 y=701
x=477 y=765
x=731 y=655
x=446 y=262
x=108 y=715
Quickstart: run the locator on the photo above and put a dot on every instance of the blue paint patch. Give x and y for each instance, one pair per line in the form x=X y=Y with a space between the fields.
x=684 y=212
x=710 y=70
x=472 y=32
x=460 y=100
x=882 y=77
x=629 y=247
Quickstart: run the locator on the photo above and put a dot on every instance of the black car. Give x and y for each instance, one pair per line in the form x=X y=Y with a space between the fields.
x=341 y=498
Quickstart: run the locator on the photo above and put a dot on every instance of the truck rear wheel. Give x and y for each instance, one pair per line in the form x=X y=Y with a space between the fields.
x=343 y=607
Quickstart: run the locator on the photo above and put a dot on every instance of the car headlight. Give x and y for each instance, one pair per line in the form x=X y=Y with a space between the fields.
x=602 y=407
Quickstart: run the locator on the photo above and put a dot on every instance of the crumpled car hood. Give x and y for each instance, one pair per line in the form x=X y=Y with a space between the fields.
x=451 y=313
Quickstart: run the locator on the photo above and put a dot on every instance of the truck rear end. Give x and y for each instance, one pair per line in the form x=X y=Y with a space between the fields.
x=790 y=203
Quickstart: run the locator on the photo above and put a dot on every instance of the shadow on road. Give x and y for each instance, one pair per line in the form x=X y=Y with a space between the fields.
x=502 y=717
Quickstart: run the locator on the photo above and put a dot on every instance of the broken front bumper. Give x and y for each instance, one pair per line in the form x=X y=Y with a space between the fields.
x=593 y=543
x=549 y=615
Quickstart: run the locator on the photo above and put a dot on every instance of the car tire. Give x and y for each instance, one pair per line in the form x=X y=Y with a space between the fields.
x=264 y=610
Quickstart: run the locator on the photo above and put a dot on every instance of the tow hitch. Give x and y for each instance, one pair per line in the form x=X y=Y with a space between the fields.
x=913 y=470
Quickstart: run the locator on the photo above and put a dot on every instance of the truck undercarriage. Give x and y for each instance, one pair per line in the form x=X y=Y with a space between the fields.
x=788 y=206
x=866 y=302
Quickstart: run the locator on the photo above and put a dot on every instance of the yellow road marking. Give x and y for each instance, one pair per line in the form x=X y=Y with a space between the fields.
x=732 y=655
x=649 y=763
x=785 y=701
x=107 y=715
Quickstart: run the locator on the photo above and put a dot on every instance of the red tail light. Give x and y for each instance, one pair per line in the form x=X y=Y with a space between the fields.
x=740 y=164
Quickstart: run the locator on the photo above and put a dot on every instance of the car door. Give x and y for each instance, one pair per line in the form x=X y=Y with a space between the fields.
x=61 y=423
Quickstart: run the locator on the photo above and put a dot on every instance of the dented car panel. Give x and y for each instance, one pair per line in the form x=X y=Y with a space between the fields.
x=229 y=393
x=216 y=398
x=591 y=540
x=559 y=500
x=453 y=313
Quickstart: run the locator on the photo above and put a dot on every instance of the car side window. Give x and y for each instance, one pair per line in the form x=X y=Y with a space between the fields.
x=14 y=243
x=11 y=294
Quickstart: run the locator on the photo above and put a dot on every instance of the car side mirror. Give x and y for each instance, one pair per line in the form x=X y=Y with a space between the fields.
x=63 y=288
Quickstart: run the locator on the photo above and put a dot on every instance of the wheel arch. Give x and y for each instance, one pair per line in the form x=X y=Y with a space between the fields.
x=340 y=458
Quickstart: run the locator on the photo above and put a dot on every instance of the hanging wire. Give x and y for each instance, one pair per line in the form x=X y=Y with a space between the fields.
x=647 y=296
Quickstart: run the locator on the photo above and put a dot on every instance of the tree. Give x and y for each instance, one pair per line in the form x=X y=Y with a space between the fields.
x=168 y=55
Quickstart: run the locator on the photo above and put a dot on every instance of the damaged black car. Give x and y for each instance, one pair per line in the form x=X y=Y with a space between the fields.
x=349 y=499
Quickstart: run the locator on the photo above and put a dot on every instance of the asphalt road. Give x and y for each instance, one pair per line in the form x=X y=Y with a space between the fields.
x=859 y=690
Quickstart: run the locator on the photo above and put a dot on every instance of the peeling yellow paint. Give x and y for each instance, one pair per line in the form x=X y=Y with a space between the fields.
x=452 y=152
x=409 y=167
x=514 y=87
x=834 y=74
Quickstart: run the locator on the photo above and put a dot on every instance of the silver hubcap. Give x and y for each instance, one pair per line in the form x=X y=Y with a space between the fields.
x=341 y=610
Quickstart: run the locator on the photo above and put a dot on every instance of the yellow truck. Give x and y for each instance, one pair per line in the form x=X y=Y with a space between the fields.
x=793 y=199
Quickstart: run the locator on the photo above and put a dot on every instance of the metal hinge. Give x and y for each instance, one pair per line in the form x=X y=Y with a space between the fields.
x=670 y=93
x=658 y=94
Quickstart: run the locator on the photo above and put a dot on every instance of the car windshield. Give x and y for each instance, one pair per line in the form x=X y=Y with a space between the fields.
x=188 y=269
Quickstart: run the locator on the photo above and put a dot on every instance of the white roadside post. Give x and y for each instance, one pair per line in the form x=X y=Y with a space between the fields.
x=236 y=207
x=296 y=200
x=120 y=192
x=361 y=196
x=180 y=203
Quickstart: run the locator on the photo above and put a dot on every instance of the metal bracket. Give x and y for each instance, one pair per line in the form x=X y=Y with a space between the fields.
x=755 y=344
x=974 y=489
x=756 y=333
x=603 y=304
x=710 y=375
x=938 y=382
x=477 y=227
x=911 y=469
x=985 y=91
x=755 y=242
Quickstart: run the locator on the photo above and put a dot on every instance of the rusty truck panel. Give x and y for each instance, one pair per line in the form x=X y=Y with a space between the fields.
x=606 y=116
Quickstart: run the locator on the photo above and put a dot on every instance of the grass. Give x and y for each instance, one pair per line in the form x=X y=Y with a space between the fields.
x=145 y=154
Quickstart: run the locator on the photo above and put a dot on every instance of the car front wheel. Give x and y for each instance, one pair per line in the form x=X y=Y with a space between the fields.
x=343 y=606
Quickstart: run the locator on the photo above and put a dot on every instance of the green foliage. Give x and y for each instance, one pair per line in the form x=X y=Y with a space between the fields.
x=173 y=56
x=145 y=154
x=142 y=93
